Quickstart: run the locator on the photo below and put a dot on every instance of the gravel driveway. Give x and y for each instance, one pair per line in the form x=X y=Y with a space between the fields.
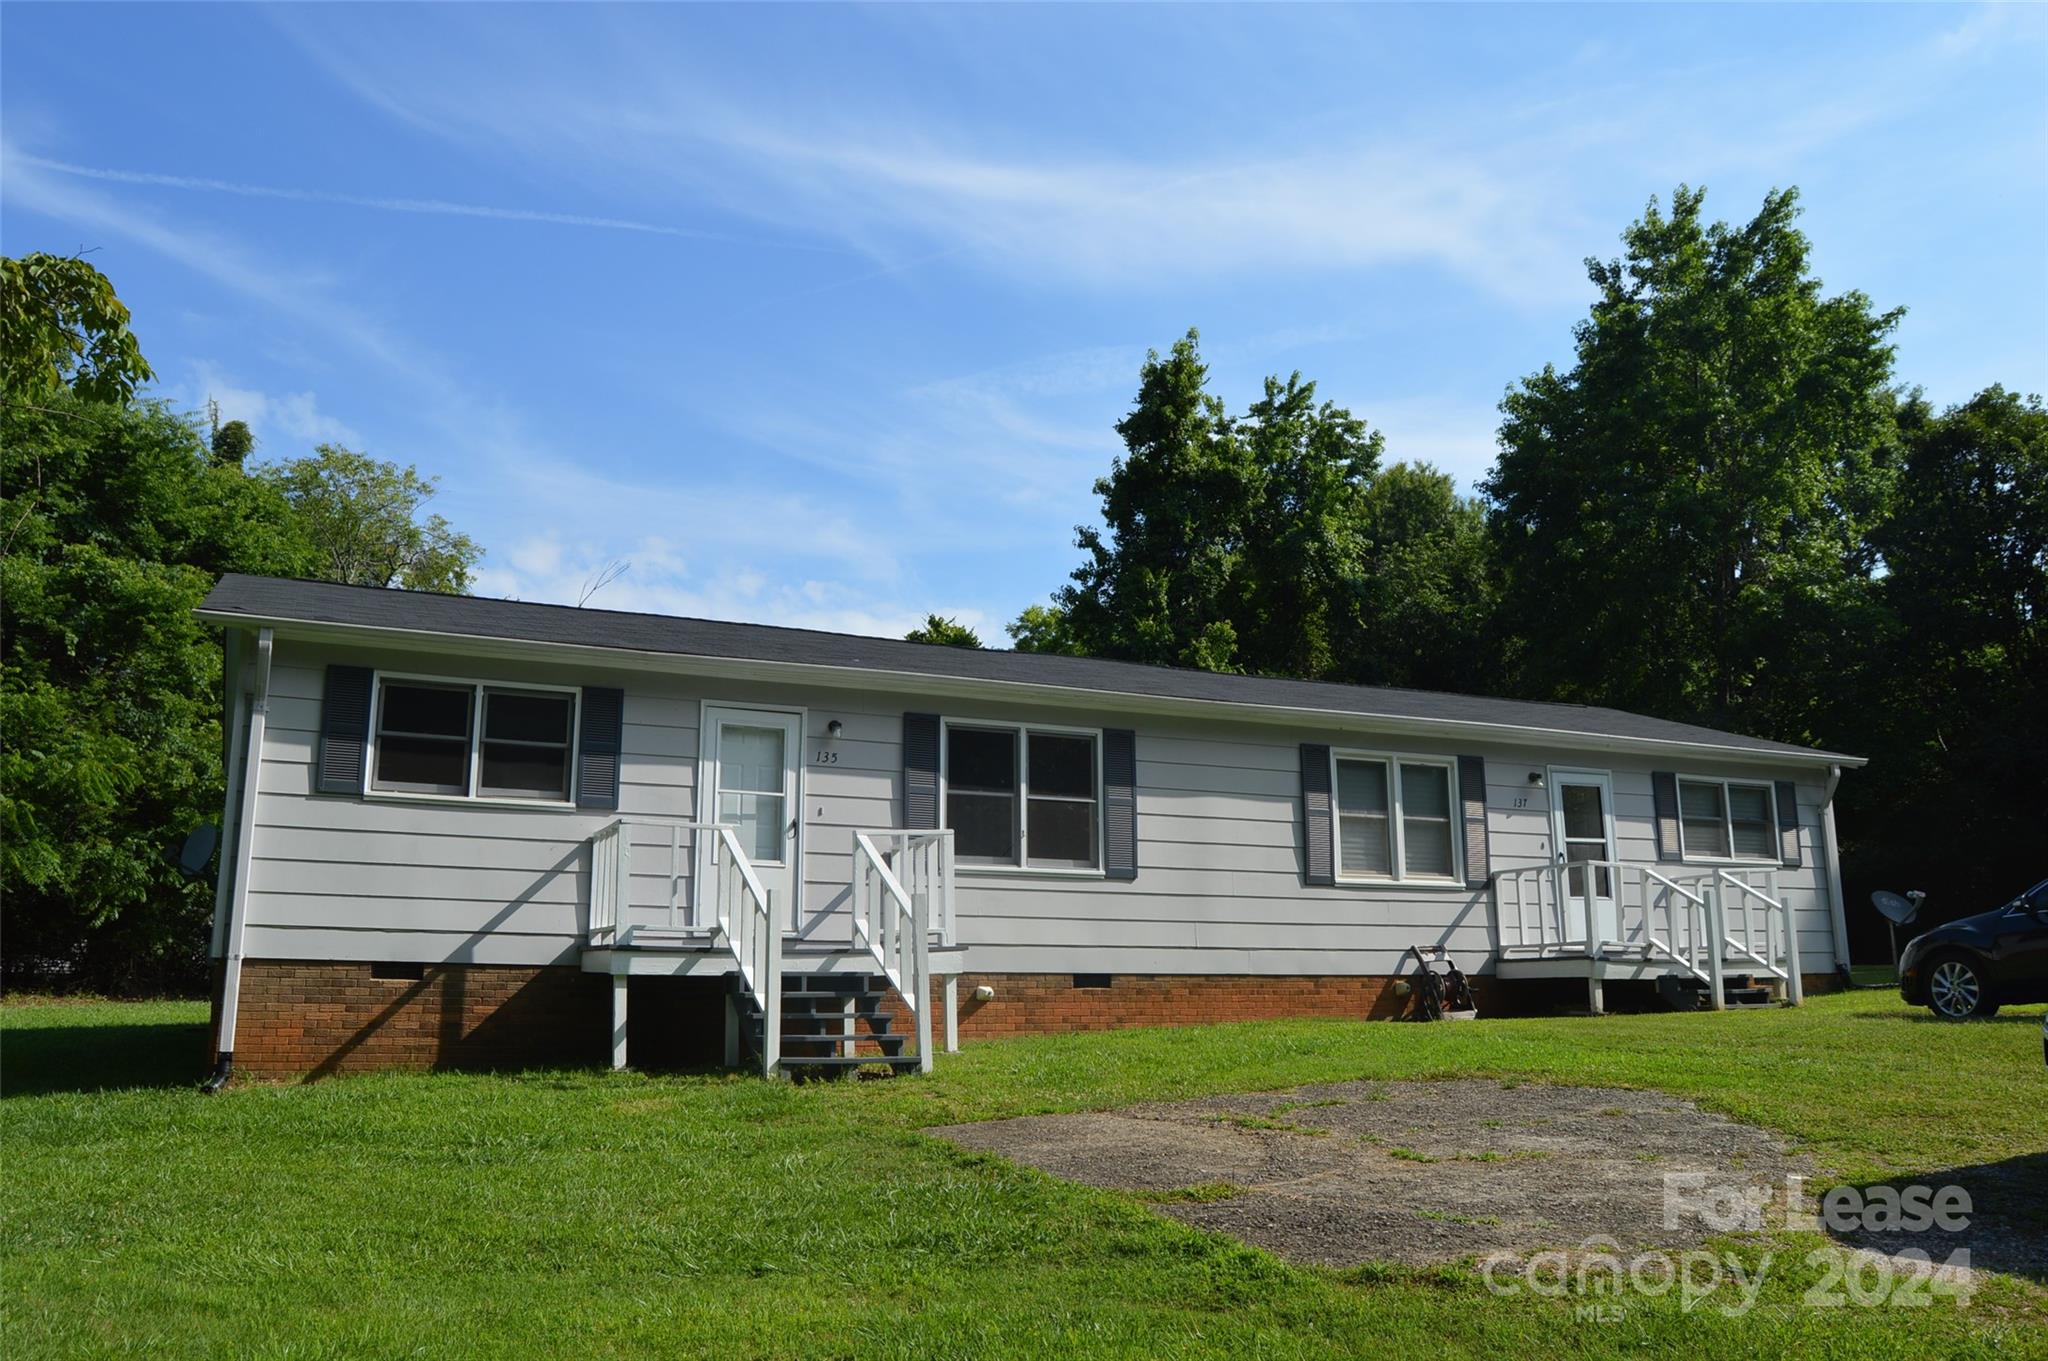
x=1411 y=1172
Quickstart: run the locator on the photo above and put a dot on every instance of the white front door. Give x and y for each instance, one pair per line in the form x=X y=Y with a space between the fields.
x=749 y=774
x=1582 y=821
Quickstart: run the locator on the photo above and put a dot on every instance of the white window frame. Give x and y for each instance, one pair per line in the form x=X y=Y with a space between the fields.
x=1394 y=761
x=477 y=688
x=1019 y=732
x=1726 y=782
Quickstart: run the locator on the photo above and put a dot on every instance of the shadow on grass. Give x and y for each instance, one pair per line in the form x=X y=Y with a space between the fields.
x=38 y=1060
x=2008 y=1218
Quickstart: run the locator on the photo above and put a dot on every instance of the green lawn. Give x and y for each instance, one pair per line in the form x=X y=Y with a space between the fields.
x=630 y=1215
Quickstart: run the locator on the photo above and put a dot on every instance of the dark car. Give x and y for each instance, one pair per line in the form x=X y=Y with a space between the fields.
x=1974 y=966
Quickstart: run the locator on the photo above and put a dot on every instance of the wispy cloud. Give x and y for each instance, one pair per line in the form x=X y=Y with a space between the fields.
x=286 y=424
x=659 y=579
x=428 y=207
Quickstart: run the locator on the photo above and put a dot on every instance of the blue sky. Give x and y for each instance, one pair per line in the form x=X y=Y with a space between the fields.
x=826 y=316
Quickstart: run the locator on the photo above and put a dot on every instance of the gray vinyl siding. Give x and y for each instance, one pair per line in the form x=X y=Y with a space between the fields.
x=1219 y=886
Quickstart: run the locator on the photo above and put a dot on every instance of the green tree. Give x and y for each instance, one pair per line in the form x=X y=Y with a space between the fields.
x=1305 y=533
x=943 y=631
x=1043 y=628
x=232 y=443
x=110 y=688
x=363 y=515
x=61 y=326
x=1419 y=608
x=1162 y=582
x=1950 y=697
x=1699 y=479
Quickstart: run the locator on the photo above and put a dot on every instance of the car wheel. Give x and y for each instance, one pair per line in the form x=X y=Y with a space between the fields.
x=1957 y=989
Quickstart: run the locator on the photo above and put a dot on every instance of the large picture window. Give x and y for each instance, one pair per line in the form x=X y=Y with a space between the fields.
x=469 y=740
x=1024 y=797
x=1394 y=819
x=1727 y=820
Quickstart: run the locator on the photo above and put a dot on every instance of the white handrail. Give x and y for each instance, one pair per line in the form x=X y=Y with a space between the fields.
x=893 y=925
x=747 y=927
x=1564 y=918
x=922 y=861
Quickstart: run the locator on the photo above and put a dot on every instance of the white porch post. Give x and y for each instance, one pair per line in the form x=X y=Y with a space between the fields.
x=619 y=1020
x=1596 y=994
x=952 y=1013
x=1717 y=934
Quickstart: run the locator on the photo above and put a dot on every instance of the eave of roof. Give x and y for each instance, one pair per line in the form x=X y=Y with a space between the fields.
x=1526 y=730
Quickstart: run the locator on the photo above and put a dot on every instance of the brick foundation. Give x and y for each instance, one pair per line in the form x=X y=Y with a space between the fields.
x=314 y=1018
x=1039 y=1004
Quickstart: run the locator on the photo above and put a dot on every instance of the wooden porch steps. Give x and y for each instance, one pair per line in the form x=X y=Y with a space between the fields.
x=824 y=1015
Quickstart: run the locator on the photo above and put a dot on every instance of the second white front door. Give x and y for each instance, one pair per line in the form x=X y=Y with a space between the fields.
x=1582 y=820
x=749 y=775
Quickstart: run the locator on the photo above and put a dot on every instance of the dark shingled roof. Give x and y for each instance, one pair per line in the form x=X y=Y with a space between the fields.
x=273 y=599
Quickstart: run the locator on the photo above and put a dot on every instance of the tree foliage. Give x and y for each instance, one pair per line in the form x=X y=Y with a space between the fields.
x=1708 y=467
x=363 y=515
x=61 y=326
x=1951 y=702
x=943 y=631
x=117 y=519
x=110 y=695
x=1272 y=543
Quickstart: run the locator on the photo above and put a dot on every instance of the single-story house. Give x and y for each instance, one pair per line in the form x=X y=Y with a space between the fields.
x=475 y=831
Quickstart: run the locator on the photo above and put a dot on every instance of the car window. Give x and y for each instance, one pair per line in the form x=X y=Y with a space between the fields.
x=2036 y=898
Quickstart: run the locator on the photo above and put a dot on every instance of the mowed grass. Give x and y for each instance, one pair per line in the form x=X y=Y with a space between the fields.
x=623 y=1214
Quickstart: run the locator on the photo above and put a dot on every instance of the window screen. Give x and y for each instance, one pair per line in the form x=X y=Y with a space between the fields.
x=1755 y=830
x=1061 y=780
x=1426 y=822
x=981 y=793
x=526 y=745
x=1704 y=818
x=1364 y=840
x=423 y=738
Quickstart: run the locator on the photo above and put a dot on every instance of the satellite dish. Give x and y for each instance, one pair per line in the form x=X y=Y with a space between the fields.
x=197 y=852
x=1894 y=907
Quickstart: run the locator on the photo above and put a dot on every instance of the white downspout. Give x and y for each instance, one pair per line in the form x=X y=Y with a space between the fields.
x=231 y=802
x=1837 y=915
x=238 y=893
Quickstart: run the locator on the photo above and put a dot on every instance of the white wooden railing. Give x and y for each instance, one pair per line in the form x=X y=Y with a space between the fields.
x=895 y=928
x=726 y=902
x=1757 y=924
x=750 y=933
x=612 y=906
x=922 y=862
x=1698 y=922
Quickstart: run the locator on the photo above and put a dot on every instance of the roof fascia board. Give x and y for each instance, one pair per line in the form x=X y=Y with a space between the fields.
x=961 y=687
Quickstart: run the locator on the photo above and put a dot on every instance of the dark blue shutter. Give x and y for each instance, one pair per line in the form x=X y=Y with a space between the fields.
x=344 y=731
x=920 y=771
x=1788 y=822
x=598 y=741
x=1472 y=794
x=1119 y=803
x=1319 y=847
x=1664 y=803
